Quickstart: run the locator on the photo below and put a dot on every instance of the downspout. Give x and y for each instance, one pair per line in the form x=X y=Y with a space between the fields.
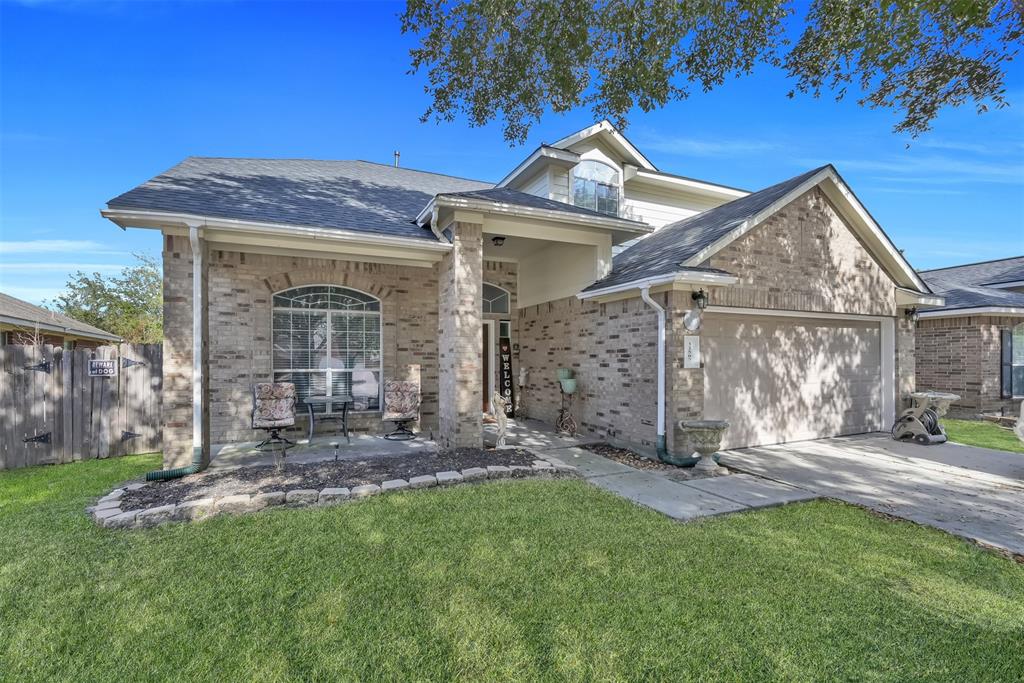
x=197 y=366
x=645 y=294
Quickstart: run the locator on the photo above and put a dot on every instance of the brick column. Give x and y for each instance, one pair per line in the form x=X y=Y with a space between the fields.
x=460 y=389
x=684 y=391
x=177 y=364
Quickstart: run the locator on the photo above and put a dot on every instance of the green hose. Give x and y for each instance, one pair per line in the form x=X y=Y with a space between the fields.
x=178 y=472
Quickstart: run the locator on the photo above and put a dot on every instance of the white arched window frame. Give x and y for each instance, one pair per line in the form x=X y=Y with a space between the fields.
x=327 y=341
x=596 y=186
x=496 y=299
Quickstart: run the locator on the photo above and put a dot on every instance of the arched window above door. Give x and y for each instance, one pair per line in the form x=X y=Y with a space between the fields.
x=496 y=299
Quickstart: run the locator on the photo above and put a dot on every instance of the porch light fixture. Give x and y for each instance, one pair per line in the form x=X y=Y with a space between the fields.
x=498 y=240
x=912 y=314
x=700 y=297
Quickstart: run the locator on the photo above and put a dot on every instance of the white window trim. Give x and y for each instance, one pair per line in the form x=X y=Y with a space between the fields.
x=330 y=331
x=507 y=294
x=618 y=174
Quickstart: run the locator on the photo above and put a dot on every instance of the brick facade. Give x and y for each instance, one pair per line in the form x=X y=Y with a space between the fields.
x=241 y=285
x=803 y=258
x=962 y=355
x=459 y=335
x=612 y=348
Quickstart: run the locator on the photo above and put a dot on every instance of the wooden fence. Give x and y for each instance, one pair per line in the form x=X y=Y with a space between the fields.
x=52 y=411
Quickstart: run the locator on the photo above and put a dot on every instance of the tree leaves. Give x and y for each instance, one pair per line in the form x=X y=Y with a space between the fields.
x=514 y=59
x=129 y=305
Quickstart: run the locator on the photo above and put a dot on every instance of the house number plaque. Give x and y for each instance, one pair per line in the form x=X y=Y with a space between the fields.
x=691 y=351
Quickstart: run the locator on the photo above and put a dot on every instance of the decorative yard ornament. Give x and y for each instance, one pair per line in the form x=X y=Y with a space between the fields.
x=705 y=437
x=498 y=407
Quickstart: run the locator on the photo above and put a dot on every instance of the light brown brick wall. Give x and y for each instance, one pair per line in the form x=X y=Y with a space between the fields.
x=241 y=286
x=177 y=352
x=962 y=355
x=804 y=258
x=612 y=350
x=459 y=339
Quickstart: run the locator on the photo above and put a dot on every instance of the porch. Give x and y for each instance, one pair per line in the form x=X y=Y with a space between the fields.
x=525 y=433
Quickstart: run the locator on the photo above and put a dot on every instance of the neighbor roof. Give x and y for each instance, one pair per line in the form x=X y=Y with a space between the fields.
x=360 y=196
x=664 y=252
x=23 y=314
x=971 y=285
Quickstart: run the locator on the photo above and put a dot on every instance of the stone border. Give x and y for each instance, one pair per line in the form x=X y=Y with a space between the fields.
x=107 y=511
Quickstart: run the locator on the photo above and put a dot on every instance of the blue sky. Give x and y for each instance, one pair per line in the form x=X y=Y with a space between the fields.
x=97 y=97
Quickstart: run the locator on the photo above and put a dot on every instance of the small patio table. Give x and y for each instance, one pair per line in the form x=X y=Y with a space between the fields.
x=320 y=399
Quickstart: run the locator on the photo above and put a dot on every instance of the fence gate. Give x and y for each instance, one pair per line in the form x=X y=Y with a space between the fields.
x=59 y=406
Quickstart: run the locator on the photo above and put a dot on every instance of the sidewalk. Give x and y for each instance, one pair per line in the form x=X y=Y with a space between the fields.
x=683 y=500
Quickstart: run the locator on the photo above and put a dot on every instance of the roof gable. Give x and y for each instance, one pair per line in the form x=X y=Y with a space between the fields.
x=611 y=136
x=692 y=241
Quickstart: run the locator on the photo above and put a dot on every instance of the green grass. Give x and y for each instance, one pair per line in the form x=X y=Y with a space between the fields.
x=503 y=581
x=983 y=434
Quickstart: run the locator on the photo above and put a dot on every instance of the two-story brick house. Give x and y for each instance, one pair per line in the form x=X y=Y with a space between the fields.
x=782 y=310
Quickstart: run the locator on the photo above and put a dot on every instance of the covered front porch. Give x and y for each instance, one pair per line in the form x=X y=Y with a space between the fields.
x=521 y=433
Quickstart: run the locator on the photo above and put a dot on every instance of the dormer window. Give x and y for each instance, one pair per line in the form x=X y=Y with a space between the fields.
x=596 y=186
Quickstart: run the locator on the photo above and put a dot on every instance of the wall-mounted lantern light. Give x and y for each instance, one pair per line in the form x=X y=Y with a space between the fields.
x=700 y=298
x=498 y=240
x=912 y=314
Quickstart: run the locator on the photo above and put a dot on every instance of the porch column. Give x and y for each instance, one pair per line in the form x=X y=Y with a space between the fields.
x=460 y=385
x=185 y=386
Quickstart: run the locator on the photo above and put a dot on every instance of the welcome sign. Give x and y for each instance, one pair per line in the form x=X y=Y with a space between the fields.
x=507 y=386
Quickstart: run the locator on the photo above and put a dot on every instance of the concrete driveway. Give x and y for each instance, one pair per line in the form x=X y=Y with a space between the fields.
x=972 y=492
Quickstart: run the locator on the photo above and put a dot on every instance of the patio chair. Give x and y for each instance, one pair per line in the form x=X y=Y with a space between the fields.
x=401 y=406
x=273 y=409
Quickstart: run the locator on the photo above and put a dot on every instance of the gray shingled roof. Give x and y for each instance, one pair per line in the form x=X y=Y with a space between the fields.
x=23 y=314
x=663 y=252
x=350 y=195
x=505 y=195
x=965 y=286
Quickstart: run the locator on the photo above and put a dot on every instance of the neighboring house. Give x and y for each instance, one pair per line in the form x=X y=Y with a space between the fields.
x=974 y=345
x=25 y=323
x=332 y=273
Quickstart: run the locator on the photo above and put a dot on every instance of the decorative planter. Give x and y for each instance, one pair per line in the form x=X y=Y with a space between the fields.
x=705 y=437
x=564 y=373
x=568 y=385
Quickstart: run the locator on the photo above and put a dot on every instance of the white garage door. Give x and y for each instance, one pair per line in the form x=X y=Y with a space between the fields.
x=788 y=379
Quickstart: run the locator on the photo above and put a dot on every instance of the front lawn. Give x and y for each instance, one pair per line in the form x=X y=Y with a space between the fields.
x=982 y=434
x=530 y=580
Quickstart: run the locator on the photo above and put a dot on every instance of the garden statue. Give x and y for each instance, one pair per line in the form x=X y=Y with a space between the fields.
x=498 y=406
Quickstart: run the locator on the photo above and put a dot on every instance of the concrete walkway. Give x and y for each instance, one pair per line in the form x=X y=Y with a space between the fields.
x=682 y=500
x=975 y=493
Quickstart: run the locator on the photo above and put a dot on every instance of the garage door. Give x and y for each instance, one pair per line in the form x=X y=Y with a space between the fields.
x=789 y=379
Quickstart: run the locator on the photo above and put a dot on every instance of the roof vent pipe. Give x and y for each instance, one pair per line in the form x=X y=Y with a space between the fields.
x=645 y=294
x=398 y=157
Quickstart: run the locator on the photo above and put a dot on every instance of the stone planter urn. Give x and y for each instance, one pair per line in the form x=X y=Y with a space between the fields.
x=705 y=437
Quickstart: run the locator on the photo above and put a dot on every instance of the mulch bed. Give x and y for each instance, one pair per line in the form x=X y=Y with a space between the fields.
x=628 y=457
x=344 y=473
